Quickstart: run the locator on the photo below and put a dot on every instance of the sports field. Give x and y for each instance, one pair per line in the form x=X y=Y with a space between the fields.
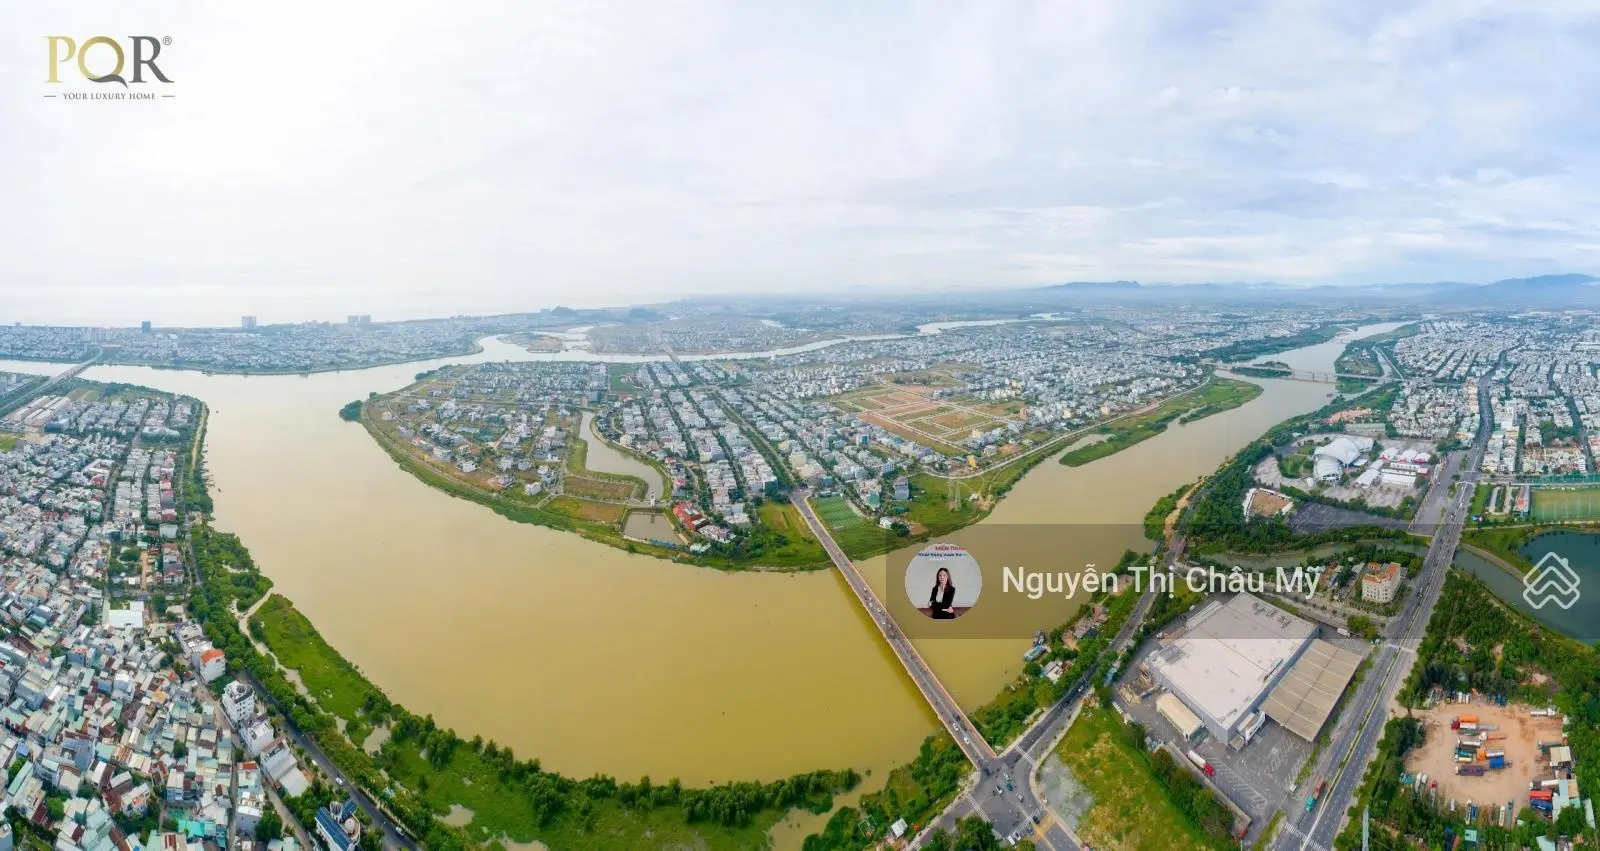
x=1578 y=503
x=835 y=512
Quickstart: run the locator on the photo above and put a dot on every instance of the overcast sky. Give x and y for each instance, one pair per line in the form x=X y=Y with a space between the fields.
x=409 y=158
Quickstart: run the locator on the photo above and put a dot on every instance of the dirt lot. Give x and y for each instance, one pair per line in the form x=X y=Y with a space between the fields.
x=1523 y=732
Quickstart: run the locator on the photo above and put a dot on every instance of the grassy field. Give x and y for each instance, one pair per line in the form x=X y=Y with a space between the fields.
x=1480 y=499
x=836 y=512
x=7 y=442
x=1501 y=542
x=583 y=487
x=582 y=509
x=500 y=811
x=782 y=520
x=1564 y=504
x=333 y=682
x=1131 y=809
x=1218 y=395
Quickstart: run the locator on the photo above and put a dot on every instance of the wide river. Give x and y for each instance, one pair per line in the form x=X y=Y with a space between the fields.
x=594 y=660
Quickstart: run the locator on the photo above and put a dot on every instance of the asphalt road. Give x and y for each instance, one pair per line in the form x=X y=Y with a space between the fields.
x=1012 y=811
x=1356 y=736
x=393 y=835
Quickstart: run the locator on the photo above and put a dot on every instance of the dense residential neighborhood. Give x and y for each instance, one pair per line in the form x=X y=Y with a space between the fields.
x=110 y=727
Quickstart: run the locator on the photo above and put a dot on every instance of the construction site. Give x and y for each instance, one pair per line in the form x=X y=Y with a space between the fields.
x=1483 y=753
x=925 y=414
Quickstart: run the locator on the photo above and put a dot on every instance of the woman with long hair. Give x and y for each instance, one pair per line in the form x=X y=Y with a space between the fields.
x=942 y=597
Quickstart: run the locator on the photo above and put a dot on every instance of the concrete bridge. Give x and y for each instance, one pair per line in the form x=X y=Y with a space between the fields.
x=944 y=705
x=1306 y=375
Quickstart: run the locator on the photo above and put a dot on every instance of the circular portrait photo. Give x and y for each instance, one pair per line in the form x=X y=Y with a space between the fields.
x=943 y=581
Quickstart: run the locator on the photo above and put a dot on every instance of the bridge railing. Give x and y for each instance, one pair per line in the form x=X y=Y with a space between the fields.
x=944 y=704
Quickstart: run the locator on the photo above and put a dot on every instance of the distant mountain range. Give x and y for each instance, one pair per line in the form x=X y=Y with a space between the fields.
x=1544 y=292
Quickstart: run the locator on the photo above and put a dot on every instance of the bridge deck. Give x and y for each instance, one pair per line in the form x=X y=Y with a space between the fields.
x=944 y=705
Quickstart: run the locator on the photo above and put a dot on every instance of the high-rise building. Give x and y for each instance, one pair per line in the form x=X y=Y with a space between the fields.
x=359 y=319
x=144 y=327
x=247 y=322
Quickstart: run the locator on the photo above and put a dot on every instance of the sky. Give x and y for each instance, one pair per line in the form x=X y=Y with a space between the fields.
x=411 y=159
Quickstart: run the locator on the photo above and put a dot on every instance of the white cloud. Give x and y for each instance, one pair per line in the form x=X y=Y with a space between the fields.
x=419 y=158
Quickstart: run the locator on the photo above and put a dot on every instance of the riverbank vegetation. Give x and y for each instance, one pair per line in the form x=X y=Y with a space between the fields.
x=351 y=411
x=1213 y=397
x=421 y=770
x=542 y=510
x=1249 y=349
x=1266 y=369
x=1476 y=642
x=916 y=792
x=1155 y=520
x=1504 y=543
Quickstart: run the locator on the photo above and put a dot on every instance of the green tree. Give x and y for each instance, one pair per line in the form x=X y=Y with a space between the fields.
x=269 y=826
x=1570 y=822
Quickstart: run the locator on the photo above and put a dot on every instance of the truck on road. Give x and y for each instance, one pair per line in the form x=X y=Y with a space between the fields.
x=1200 y=763
x=1316 y=794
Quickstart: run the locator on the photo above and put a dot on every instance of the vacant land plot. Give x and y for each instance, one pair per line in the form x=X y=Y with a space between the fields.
x=599 y=512
x=585 y=488
x=1566 y=503
x=913 y=413
x=910 y=432
x=783 y=518
x=1523 y=732
x=960 y=419
x=1130 y=808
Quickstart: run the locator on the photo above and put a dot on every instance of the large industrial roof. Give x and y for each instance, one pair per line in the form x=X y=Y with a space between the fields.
x=1230 y=652
x=1304 y=698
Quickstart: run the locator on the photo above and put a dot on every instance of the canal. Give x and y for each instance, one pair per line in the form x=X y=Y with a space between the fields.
x=1582 y=553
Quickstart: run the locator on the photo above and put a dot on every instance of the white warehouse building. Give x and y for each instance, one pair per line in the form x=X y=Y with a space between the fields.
x=1228 y=658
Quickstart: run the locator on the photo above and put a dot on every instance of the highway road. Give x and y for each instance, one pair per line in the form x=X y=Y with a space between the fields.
x=1011 y=811
x=1355 y=738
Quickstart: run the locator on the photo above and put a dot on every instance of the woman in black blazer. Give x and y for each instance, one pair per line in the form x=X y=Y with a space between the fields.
x=942 y=596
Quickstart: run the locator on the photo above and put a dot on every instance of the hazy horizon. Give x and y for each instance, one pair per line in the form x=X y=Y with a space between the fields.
x=422 y=160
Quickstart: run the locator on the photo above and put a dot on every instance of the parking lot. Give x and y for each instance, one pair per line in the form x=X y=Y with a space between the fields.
x=1317 y=517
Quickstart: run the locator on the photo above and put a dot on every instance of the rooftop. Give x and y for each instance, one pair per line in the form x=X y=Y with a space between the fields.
x=1229 y=654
